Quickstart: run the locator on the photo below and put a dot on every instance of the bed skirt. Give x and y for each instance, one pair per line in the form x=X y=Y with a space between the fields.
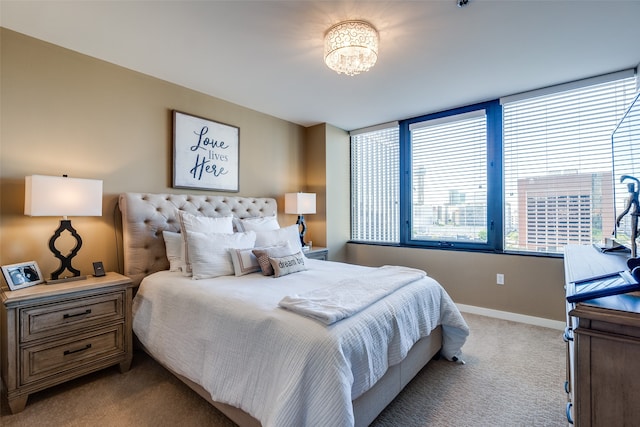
x=366 y=407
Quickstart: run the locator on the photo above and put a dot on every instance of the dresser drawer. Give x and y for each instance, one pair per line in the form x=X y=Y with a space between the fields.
x=70 y=315
x=74 y=354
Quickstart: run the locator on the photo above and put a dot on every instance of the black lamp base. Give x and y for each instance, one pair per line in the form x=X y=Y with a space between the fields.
x=65 y=261
x=303 y=229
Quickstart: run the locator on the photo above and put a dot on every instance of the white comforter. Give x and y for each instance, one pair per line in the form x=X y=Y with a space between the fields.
x=229 y=335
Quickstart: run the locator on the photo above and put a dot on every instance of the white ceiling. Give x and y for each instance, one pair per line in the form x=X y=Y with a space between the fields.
x=267 y=55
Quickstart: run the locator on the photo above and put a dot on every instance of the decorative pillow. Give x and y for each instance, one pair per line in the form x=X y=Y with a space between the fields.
x=244 y=261
x=287 y=264
x=263 y=254
x=201 y=224
x=206 y=224
x=174 y=244
x=262 y=223
x=209 y=253
x=289 y=234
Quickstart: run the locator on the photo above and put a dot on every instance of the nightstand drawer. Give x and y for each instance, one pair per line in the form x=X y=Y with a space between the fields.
x=71 y=315
x=72 y=354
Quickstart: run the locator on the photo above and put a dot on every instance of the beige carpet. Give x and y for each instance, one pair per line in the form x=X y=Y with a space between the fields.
x=514 y=376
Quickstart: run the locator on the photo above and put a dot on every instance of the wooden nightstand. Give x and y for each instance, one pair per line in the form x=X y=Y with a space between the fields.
x=317 y=252
x=54 y=333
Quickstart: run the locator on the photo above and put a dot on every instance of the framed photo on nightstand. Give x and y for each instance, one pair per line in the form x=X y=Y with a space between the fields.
x=22 y=275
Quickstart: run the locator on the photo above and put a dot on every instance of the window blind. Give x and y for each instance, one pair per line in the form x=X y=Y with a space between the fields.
x=558 y=178
x=449 y=178
x=375 y=184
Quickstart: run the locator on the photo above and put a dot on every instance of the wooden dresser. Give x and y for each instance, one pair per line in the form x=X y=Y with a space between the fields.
x=53 y=333
x=603 y=336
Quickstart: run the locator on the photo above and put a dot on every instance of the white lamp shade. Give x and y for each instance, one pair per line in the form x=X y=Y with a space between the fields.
x=300 y=203
x=62 y=196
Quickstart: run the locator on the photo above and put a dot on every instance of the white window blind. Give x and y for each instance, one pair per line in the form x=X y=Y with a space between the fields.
x=375 y=185
x=449 y=178
x=558 y=178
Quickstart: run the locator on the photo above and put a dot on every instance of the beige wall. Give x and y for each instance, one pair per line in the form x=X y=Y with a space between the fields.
x=62 y=112
x=66 y=113
x=338 y=167
x=327 y=174
x=315 y=178
x=534 y=286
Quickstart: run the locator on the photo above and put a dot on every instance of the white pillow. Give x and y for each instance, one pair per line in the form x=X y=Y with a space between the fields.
x=209 y=253
x=277 y=237
x=201 y=224
x=205 y=224
x=174 y=245
x=244 y=261
x=261 y=223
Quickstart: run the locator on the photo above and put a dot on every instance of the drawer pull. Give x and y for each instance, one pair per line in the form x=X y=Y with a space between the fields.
x=568 y=334
x=569 y=418
x=86 y=347
x=566 y=387
x=68 y=316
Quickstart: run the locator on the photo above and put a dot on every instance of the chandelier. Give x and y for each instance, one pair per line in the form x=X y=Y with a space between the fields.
x=351 y=47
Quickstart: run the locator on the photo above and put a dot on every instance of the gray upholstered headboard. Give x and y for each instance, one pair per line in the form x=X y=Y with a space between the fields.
x=145 y=216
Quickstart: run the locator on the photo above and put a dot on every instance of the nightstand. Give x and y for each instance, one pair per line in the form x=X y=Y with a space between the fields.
x=317 y=252
x=54 y=333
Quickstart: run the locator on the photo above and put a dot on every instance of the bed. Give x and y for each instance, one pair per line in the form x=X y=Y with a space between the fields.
x=234 y=340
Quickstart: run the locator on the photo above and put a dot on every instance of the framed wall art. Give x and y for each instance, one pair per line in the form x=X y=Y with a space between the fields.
x=205 y=154
x=22 y=275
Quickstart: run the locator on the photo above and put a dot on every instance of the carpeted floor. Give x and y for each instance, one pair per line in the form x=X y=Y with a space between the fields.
x=514 y=376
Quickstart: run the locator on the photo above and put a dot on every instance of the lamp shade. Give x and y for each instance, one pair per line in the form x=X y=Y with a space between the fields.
x=300 y=203
x=62 y=196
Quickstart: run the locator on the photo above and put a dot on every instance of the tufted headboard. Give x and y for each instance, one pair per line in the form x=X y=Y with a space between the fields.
x=145 y=216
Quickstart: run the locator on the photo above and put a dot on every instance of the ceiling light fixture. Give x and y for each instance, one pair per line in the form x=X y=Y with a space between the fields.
x=351 y=47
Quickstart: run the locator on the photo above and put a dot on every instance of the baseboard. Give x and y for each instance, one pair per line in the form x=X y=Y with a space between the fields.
x=514 y=317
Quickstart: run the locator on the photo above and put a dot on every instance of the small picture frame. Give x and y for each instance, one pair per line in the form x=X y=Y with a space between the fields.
x=22 y=275
x=98 y=269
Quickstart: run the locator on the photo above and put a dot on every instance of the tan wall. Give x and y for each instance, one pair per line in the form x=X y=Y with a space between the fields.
x=327 y=173
x=534 y=286
x=62 y=112
x=338 y=167
x=66 y=113
x=315 y=178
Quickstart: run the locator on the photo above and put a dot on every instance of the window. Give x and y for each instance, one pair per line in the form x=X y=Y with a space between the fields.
x=447 y=158
x=529 y=173
x=375 y=184
x=558 y=163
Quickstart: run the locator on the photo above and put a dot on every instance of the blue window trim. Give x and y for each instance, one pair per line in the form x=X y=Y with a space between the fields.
x=494 y=180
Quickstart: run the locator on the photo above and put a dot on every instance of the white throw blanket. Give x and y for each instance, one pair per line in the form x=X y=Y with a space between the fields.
x=349 y=296
x=229 y=335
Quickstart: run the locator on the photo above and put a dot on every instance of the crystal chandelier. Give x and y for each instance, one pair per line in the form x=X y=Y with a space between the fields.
x=351 y=47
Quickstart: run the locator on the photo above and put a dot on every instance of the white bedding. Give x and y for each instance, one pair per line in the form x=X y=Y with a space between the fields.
x=349 y=296
x=229 y=335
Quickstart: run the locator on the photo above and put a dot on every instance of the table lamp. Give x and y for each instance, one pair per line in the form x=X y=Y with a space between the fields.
x=300 y=204
x=63 y=196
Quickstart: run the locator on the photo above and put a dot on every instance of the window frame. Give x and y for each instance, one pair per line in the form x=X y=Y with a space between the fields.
x=496 y=199
x=493 y=111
